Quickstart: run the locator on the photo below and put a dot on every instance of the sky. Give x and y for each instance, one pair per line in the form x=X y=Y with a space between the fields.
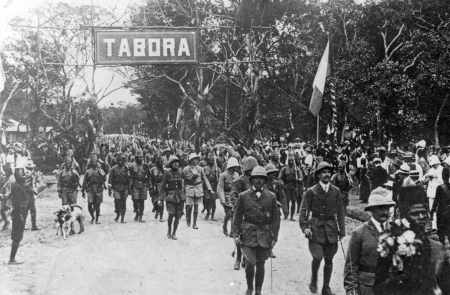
x=103 y=75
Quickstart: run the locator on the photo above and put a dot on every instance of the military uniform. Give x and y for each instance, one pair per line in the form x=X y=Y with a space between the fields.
x=119 y=180
x=68 y=186
x=19 y=200
x=290 y=177
x=257 y=223
x=212 y=174
x=30 y=204
x=224 y=187
x=139 y=184
x=276 y=186
x=156 y=177
x=93 y=183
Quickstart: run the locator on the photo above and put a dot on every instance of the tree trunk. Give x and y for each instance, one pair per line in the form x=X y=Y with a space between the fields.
x=436 y=123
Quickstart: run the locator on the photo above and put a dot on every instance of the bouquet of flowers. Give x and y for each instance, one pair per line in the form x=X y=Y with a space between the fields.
x=399 y=242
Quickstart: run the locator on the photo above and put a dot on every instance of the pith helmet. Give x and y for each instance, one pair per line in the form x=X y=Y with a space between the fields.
x=258 y=171
x=232 y=162
x=434 y=160
x=379 y=197
x=173 y=159
x=271 y=168
x=193 y=156
x=322 y=166
x=249 y=163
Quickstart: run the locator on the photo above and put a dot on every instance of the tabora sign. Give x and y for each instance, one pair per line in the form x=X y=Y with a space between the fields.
x=149 y=47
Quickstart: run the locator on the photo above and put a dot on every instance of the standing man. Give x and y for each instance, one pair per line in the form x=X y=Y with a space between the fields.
x=172 y=193
x=93 y=183
x=325 y=227
x=343 y=182
x=110 y=158
x=6 y=180
x=19 y=199
x=224 y=187
x=257 y=213
x=29 y=183
x=156 y=176
x=194 y=180
x=212 y=173
x=118 y=182
x=139 y=183
x=68 y=182
x=379 y=175
x=290 y=175
x=434 y=179
x=362 y=254
x=441 y=207
x=241 y=185
x=276 y=186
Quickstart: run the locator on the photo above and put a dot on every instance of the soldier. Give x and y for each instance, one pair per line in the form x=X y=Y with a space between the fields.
x=226 y=180
x=212 y=173
x=257 y=213
x=343 y=181
x=172 y=193
x=276 y=160
x=194 y=180
x=110 y=158
x=290 y=175
x=166 y=156
x=6 y=180
x=118 y=181
x=241 y=185
x=156 y=176
x=19 y=199
x=29 y=184
x=276 y=186
x=68 y=183
x=93 y=184
x=322 y=230
x=139 y=183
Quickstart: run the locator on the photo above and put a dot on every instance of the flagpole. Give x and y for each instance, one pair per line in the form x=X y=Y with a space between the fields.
x=318 y=121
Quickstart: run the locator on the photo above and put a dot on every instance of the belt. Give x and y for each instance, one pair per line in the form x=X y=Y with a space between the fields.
x=367 y=268
x=323 y=217
x=256 y=222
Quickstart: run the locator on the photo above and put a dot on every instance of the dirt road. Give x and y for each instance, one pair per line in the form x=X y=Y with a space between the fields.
x=137 y=258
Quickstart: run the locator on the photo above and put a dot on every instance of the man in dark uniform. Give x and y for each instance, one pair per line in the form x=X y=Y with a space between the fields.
x=68 y=182
x=31 y=207
x=19 y=200
x=241 y=185
x=276 y=186
x=255 y=227
x=118 y=182
x=325 y=202
x=212 y=173
x=290 y=175
x=172 y=193
x=156 y=176
x=139 y=184
x=93 y=183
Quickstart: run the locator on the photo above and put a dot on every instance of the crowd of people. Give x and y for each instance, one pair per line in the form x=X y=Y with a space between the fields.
x=259 y=185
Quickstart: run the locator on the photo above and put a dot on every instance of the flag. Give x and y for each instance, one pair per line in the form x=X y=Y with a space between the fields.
x=319 y=82
x=2 y=76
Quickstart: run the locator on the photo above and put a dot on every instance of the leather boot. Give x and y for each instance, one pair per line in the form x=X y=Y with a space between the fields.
x=136 y=218
x=122 y=218
x=188 y=215
x=237 y=265
x=327 y=291
x=34 y=227
x=140 y=219
x=195 y=220
x=117 y=217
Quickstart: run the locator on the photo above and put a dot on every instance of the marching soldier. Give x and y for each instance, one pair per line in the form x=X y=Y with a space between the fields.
x=172 y=193
x=212 y=173
x=156 y=176
x=241 y=185
x=224 y=187
x=93 y=184
x=290 y=175
x=194 y=181
x=29 y=184
x=276 y=186
x=68 y=183
x=255 y=227
x=139 y=184
x=118 y=182
x=322 y=229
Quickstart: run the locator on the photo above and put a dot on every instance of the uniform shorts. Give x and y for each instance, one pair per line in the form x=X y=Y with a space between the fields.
x=69 y=197
x=194 y=200
x=95 y=197
x=255 y=254
x=120 y=194
x=322 y=250
x=175 y=208
x=291 y=195
x=139 y=194
x=18 y=226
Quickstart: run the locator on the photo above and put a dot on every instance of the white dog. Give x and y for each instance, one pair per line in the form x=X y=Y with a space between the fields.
x=65 y=218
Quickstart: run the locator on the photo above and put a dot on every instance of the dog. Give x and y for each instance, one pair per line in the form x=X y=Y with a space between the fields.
x=65 y=218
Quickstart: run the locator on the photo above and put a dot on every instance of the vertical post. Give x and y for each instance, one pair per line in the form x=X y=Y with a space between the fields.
x=93 y=48
x=318 y=121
